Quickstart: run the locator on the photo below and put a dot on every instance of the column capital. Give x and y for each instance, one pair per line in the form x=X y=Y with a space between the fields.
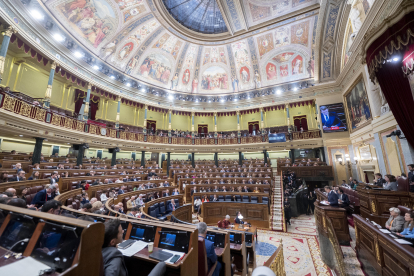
x=238 y=112
x=54 y=65
x=192 y=113
x=10 y=30
x=170 y=111
x=215 y=113
x=119 y=98
x=146 y=106
x=261 y=109
x=286 y=105
x=89 y=86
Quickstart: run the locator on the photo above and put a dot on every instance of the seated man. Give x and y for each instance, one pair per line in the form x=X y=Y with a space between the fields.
x=211 y=253
x=332 y=196
x=171 y=206
x=343 y=199
x=396 y=222
x=113 y=260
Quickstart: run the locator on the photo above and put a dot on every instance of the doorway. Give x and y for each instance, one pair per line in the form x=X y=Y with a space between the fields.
x=55 y=150
x=151 y=126
x=202 y=130
x=99 y=154
x=155 y=156
x=253 y=127
x=300 y=121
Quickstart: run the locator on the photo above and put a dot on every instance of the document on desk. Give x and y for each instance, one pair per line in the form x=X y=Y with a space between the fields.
x=174 y=253
x=134 y=248
x=324 y=202
x=19 y=268
x=385 y=231
x=402 y=241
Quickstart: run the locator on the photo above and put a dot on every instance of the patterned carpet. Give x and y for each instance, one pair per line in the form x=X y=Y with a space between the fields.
x=301 y=253
x=301 y=250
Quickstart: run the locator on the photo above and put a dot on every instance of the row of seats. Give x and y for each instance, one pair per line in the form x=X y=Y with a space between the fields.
x=159 y=210
x=245 y=198
x=353 y=199
x=31 y=192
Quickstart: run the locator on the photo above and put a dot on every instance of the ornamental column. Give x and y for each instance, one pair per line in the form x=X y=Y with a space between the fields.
x=4 y=47
x=238 y=124
x=86 y=105
x=169 y=122
x=317 y=112
x=168 y=163
x=215 y=125
x=145 y=123
x=48 y=94
x=240 y=158
x=37 y=152
x=288 y=118
x=261 y=119
x=143 y=158
x=118 y=111
x=192 y=124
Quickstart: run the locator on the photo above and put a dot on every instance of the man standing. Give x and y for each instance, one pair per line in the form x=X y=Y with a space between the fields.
x=332 y=196
x=211 y=254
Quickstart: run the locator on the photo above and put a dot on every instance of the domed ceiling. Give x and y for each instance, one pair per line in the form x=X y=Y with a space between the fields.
x=202 y=16
x=269 y=42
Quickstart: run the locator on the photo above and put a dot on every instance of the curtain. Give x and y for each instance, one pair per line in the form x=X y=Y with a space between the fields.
x=79 y=96
x=304 y=123
x=93 y=103
x=296 y=123
x=397 y=91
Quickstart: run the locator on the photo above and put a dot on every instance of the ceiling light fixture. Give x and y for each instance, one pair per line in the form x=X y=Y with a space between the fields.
x=279 y=92
x=396 y=59
x=128 y=84
x=58 y=37
x=295 y=89
x=78 y=54
x=37 y=15
x=21 y=135
x=112 y=77
x=171 y=97
x=96 y=67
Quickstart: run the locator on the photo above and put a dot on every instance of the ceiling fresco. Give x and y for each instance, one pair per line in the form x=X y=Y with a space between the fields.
x=128 y=36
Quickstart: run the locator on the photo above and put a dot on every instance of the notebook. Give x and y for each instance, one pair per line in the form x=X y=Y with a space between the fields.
x=160 y=256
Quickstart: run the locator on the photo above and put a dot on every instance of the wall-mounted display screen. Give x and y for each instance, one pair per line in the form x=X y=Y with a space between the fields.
x=333 y=118
x=277 y=137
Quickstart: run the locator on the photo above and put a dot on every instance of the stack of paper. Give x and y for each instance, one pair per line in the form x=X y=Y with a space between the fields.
x=24 y=267
x=402 y=241
x=385 y=231
x=134 y=248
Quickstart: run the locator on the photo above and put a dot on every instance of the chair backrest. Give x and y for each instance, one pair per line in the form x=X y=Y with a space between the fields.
x=157 y=208
x=177 y=203
x=404 y=210
x=253 y=199
x=202 y=258
x=220 y=198
x=168 y=202
x=228 y=198
x=265 y=199
x=238 y=198
x=245 y=198
x=152 y=212
x=162 y=207
x=211 y=198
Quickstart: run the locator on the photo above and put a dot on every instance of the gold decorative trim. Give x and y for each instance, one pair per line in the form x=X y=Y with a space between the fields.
x=373 y=207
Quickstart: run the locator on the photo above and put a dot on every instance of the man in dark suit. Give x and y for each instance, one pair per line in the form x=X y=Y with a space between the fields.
x=332 y=197
x=171 y=206
x=379 y=181
x=211 y=253
x=42 y=196
x=19 y=177
x=121 y=190
x=330 y=119
x=342 y=198
x=246 y=190
x=54 y=178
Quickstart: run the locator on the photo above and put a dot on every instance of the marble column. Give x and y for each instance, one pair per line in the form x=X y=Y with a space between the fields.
x=113 y=160
x=215 y=125
x=118 y=113
x=240 y=158
x=168 y=163
x=4 y=47
x=143 y=159
x=317 y=112
x=48 y=94
x=265 y=156
x=261 y=119
x=37 y=152
x=79 y=159
x=288 y=118
x=193 y=159
x=216 y=159
x=192 y=124
x=86 y=105
x=238 y=124
x=145 y=123
x=169 y=122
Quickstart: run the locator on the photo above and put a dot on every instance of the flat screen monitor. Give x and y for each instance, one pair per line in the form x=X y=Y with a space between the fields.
x=19 y=228
x=144 y=233
x=57 y=246
x=248 y=237
x=333 y=118
x=277 y=137
x=236 y=238
x=174 y=240
x=232 y=238
x=219 y=239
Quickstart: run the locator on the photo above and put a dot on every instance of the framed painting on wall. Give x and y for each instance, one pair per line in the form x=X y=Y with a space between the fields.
x=358 y=111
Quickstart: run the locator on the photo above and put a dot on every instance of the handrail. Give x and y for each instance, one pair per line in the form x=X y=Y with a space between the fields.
x=277 y=262
x=19 y=106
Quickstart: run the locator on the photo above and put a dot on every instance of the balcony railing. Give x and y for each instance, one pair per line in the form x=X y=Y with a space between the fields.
x=25 y=108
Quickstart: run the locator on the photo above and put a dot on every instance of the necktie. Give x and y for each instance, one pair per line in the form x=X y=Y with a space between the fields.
x=326 y=117
x=173 y=207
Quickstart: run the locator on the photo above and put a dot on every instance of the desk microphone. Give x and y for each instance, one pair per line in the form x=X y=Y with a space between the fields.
x=8 y=251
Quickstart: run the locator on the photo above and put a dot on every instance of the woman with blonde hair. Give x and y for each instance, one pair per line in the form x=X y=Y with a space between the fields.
x=97 y=205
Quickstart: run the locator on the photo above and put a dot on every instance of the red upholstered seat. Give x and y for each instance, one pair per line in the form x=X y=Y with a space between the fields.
x=404 y=210
x=202 y=260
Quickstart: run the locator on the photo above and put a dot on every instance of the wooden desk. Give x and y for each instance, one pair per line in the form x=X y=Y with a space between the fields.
x=184 y=213
x=339 y=222
x=384 y=254
x=255 y=213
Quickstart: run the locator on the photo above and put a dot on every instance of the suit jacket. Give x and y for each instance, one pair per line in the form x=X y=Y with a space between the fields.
x=120 y=192
x=345 y=200
x=40 y=198
x=16 y=179
x=211 y=253
x=392 y=186
x=333 y=199
x=53 y=180
x=130 y=204
x=380 y=182
x=246 y=191
x=397 y=225
x=170 y=207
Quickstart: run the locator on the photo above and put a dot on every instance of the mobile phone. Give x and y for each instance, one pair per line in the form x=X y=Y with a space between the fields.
x=175 y=258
